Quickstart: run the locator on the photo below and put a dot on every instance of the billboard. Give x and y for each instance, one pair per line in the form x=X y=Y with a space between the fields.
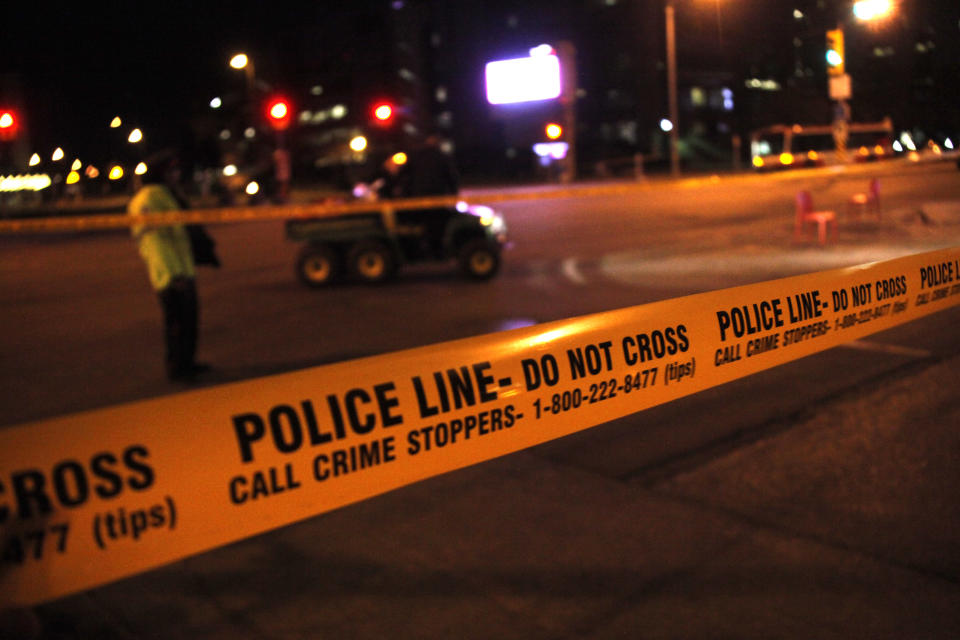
x=536 y=77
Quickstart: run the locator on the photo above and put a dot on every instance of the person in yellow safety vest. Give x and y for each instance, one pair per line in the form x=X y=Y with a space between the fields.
x=170 y=266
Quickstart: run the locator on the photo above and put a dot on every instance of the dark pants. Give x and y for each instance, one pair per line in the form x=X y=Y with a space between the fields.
x=180 y=315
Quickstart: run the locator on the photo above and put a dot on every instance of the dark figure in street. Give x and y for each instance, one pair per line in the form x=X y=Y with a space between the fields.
x=430 y=171
x=167 y=254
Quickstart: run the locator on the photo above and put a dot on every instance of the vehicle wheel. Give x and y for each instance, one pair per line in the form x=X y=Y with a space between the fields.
x=479 y=259
x=372 y=261
x=318 y=265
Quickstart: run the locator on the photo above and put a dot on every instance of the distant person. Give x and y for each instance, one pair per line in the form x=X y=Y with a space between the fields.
x=170 y=266
x=430 y=171
x=390 y=181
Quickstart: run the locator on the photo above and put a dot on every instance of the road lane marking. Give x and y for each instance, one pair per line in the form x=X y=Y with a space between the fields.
x=571 y=271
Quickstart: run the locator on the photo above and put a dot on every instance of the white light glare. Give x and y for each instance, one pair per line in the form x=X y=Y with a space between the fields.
x=666 y=125
x=872 y=9
x=908 y=141
x=555 y=150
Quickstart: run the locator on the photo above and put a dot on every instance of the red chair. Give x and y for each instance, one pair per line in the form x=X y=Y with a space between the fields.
x=868 y=202
x=806 y=215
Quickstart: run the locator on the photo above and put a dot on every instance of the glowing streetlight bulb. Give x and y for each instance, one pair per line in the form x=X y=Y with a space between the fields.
x=76 y=165
x=358 y=144
x=135 y=136
x=57 y=154
x=239 y=61
x=140 y=169
x=116 y=172
x=872 y=9
x=34 y=160
x=115 y=123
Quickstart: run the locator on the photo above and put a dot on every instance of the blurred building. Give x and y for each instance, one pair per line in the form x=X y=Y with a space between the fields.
x=741 y=65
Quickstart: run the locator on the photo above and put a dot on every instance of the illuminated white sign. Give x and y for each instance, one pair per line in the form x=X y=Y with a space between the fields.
x=523 y=79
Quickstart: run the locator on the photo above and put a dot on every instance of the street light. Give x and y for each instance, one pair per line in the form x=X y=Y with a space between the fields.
x=672 y=88
x=241 y=61
x=867 y=10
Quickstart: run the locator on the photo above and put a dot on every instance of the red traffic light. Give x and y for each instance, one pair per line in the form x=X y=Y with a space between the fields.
x=278 y=113
x=383 y=112
x=9 y=124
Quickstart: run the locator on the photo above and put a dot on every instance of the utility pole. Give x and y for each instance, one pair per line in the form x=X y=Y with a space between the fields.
x=568 y=99
x=672 y=89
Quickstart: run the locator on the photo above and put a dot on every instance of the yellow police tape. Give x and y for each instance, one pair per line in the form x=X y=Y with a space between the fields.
x=93 y=497
x=331 y=207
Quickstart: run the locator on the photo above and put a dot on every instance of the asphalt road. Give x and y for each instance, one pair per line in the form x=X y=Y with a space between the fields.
x=81 y=326
x=807 y=500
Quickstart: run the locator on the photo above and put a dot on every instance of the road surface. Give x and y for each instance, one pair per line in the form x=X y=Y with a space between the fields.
x=813 y=500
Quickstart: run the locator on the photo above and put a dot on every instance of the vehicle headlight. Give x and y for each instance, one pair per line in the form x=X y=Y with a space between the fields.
x=496 y=223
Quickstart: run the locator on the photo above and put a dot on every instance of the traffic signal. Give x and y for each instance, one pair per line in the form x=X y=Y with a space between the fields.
x=835 y=55
x=278 y=113
x=553 y=131
x=9 y=124
x=383 y=113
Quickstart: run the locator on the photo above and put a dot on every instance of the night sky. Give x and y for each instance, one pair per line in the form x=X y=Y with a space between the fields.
x=81 y=64
x=157 y=63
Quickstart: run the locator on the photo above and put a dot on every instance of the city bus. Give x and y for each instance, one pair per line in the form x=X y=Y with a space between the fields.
x=784 y=146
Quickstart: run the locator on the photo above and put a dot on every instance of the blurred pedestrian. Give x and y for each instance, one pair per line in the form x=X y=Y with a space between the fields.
x=171 y=269
x=430 y=171
x=389 y=182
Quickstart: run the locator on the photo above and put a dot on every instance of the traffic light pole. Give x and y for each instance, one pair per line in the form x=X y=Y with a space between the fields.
x=281 y=164
x=839 y=90
x=568 y=100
